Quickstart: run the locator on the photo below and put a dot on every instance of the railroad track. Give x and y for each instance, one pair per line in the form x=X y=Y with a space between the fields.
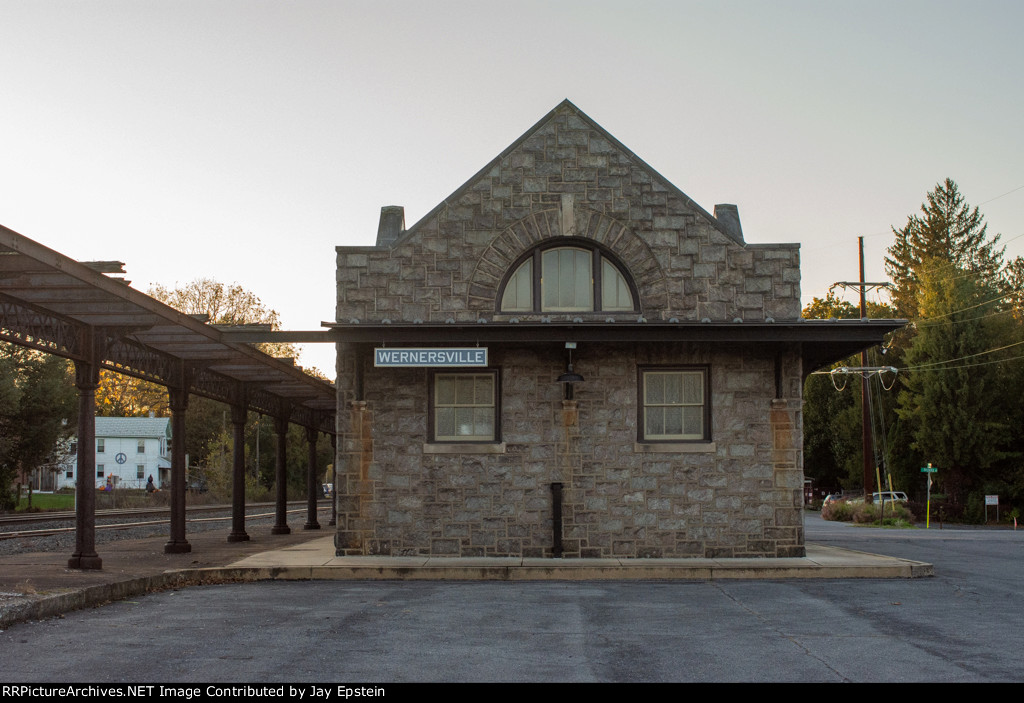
x=193 y=515
x=51 y=516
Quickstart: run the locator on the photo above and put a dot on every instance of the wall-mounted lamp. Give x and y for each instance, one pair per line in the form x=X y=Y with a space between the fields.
x=569 y=377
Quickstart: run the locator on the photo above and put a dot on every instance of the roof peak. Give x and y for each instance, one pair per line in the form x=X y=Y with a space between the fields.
x=729 y=225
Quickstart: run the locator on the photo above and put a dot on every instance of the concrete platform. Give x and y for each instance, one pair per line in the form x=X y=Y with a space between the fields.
x=316 y=560
x=39 y=585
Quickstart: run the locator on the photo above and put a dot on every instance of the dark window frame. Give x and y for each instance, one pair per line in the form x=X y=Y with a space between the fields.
x=641 y=423
x=494 y=372
x=598 y=251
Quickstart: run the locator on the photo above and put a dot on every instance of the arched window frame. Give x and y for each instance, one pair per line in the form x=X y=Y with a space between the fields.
x=598 y=253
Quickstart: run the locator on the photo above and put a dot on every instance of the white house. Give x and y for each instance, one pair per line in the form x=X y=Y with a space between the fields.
x=128 y=451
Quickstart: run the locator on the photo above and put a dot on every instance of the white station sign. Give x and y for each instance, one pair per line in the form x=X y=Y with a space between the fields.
x=410 y=356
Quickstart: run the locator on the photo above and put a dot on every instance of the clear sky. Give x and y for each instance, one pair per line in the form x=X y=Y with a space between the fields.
x=243 y=139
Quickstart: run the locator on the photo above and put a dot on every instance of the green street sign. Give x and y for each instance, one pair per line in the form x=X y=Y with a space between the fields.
x=929 y=470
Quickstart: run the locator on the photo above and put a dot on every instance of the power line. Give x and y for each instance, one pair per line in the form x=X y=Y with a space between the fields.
x=969 y=366
x=923 y=322
x=962 y=358
x=1001 y=196
x=954 y=312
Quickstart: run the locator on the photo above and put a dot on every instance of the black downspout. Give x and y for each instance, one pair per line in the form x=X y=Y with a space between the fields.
x=556 y=519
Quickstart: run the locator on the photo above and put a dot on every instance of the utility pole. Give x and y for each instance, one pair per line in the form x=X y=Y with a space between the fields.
x=864 y=395
x=865 y=416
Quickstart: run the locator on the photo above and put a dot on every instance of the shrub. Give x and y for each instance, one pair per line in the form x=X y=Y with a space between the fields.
x=837 y=510
x=895 y=514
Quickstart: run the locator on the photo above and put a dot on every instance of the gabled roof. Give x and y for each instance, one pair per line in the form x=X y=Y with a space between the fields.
x=135 y=427
x=730 y=231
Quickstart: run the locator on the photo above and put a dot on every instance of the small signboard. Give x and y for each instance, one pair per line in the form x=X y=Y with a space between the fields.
x=444 y=357
x=991 y=500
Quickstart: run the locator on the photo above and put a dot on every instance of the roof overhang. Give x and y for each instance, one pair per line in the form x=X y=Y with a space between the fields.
x=821 y=342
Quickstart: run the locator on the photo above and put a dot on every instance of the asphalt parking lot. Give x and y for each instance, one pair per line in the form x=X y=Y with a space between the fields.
x=960 y=625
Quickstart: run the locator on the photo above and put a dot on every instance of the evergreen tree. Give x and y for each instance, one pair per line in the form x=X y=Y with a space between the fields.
x=954 y=398
x=959 y=396
x=949 y=235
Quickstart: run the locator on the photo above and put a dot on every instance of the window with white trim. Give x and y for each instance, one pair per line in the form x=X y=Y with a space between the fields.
x=674 y=405
x=464 y=407
x=567 y=279
x=101 y=446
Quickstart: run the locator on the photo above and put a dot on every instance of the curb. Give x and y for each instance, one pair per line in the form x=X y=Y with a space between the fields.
x=93 y=596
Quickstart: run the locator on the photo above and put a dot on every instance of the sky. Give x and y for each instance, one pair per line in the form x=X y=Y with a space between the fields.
x=242 y=140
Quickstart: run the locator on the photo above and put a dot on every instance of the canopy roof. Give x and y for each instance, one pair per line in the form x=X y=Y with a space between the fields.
x=54 y=304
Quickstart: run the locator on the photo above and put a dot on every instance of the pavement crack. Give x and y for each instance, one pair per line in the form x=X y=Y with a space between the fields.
x=789 y=638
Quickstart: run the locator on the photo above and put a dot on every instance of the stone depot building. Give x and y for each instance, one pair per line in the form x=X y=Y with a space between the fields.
x=569 y=357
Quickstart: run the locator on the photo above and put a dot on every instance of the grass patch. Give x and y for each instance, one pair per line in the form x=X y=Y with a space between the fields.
x=47 y=501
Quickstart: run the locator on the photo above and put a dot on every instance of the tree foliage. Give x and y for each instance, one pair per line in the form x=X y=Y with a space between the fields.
x=833 y=449
x=960 y=396
x=224 y=305
x=953 y=397
x=948 y=235
x=38 y=411
x=119 y=395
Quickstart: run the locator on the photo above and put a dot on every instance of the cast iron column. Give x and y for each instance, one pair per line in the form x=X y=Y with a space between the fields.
x=334 y=481
x=238 y=416
x=86 y=380
x=179 y=402
x=281 y=478
x=311 y=482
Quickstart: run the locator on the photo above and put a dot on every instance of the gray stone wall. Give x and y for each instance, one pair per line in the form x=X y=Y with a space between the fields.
x=738 y=496
x=568 y=179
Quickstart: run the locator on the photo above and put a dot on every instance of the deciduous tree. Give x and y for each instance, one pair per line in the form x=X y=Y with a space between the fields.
x=832 y=407
x=38 y=411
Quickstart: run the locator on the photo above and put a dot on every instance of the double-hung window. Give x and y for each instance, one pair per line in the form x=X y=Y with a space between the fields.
x=674 y=405
x=465 y=407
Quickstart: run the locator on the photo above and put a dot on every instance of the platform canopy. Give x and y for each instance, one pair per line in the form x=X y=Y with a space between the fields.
x=80 y=311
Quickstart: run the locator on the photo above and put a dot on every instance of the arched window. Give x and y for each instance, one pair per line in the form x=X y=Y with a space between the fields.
x=568 y=279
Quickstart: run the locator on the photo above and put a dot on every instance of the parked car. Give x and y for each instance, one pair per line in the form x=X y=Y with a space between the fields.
x=890 y=497
x=832 y=498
